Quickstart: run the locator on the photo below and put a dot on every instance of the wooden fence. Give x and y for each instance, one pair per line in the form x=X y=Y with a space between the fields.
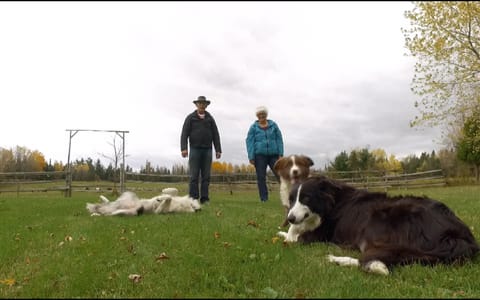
x=33 y=181
x=361 y=179
x=379 y=180
x=56 y=181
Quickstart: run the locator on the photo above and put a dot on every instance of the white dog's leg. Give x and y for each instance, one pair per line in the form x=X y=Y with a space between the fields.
x=163 y=206
x=125 y=212
x=343 y=260
x=292 y=235
x=284 y=192
x=104 y=199
x=374 y=266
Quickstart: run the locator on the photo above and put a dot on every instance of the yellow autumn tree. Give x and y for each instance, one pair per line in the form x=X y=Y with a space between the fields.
x=384 y=163
x=37 y=161
x=217 y=167
x=444 y=38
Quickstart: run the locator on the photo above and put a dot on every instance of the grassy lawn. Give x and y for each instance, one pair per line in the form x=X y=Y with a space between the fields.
x=50 y=247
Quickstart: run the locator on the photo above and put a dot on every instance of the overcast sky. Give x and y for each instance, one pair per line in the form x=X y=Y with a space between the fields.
x=333 y=75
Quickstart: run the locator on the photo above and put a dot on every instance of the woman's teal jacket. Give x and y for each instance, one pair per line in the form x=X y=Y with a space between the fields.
x=267 y=141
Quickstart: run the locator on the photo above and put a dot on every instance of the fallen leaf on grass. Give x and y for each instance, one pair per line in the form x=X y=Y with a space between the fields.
x=218 y=213
x=161 y=256
x=9 y=281
x=275 y=239
x=135 y=278
x=252 y=223
x=216 y=234
x=68 y=238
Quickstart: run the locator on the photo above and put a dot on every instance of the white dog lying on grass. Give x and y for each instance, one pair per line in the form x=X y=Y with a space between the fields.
x=128 y=204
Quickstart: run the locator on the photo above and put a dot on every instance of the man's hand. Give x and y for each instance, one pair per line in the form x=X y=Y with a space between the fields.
x=218 y=155
x=184 y=153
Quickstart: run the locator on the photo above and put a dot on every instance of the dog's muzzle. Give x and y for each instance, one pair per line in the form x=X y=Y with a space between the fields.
x=293 y=220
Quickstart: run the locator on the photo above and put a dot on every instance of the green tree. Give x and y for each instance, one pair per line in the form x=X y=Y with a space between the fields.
x=340 y=162
x=468 y=148
x=444 y=37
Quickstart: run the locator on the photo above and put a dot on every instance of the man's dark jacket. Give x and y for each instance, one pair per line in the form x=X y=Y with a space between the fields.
x=201 y=133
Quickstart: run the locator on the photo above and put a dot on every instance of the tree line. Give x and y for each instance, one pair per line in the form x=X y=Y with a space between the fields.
x=22 y=159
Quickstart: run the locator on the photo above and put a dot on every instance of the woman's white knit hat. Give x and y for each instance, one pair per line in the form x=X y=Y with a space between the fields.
x=261 y=109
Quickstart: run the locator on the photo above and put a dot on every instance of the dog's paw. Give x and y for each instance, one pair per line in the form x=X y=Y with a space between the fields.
x=95 y=214
x=170 y=191
x=282 y=234
x=376 y=267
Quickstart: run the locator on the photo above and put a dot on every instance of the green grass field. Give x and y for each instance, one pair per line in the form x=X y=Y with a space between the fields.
x=50 y=247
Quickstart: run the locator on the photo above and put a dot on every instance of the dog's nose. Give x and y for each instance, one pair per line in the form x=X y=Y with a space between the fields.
x=291 y=219
x=295 y=172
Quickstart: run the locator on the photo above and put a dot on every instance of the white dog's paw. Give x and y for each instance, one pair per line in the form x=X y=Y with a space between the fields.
x=170 y=191
x=287 y=238
x=376 y=267
x=95 y=214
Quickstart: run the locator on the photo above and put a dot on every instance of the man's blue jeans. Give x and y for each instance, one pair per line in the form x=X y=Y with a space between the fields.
x=200 y=163
x=261 y=164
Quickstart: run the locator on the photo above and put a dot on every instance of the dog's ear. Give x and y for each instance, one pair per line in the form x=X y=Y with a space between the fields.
x=308 y=159
x=280 y=164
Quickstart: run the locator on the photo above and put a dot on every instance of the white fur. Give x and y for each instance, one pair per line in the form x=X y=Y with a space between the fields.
x=285 y=187
x=343 y=260
x=128 y=204
x=374 y=266
x=301 y=219
x=170 y=191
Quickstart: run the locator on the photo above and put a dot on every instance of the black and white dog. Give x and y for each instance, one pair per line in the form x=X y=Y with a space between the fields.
x=388 y=231
x=129 y=204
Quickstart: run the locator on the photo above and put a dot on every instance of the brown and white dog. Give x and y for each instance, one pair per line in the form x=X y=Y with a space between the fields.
x=291 y=170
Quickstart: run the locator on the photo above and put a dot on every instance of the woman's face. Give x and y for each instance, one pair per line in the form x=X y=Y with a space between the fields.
x=262 y=115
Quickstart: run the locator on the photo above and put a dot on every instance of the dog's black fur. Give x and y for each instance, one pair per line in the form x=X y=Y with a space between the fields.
x=394 y=230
